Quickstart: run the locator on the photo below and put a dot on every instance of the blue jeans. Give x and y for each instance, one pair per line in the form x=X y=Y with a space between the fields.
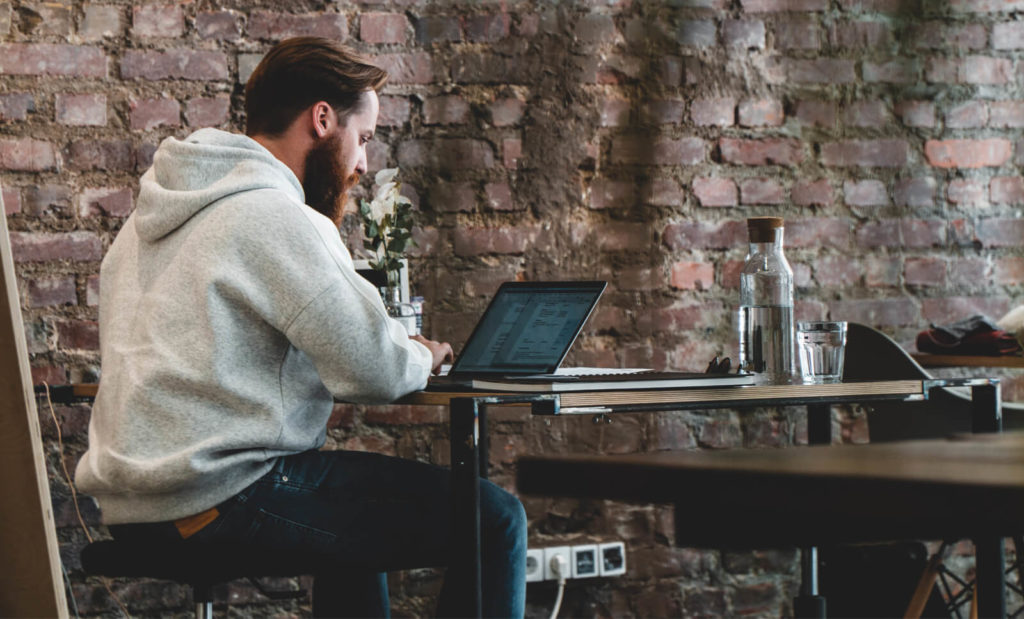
x=368 y=509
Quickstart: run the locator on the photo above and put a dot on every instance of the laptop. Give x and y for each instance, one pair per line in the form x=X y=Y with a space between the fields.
x=525 y=334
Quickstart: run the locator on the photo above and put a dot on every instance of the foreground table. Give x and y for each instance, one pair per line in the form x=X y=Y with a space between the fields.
x=971 y=487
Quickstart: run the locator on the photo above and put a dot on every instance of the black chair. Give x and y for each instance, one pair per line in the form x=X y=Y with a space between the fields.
x=873 y=355
x=200 y=567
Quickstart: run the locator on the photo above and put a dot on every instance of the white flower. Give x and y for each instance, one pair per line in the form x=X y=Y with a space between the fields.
x=385 y=176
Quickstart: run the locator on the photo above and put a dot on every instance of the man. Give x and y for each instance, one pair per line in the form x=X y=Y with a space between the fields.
x=231 y=318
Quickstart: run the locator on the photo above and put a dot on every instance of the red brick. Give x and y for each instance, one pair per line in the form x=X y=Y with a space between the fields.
x=817 y=113
x=798 y=32
x=997 y=232
x=427 y=241
x=727 y=234
x=662 y=111
x=149 y=114
x=394 y=111
x=743 y=33
x=877 y=312
x=968 y=273
x=942 y=70
x=487 y=28
x=771 y=6
x=820 y=70
x=761 y=191
x=731 y=274
x=812 y=193
x=865 y=153
x=836 y=271
x=46 y=199
x=940 y=35
x=985 y=70
x=81 y=109
x=158 y=20
x=1019 y=159
x=865 y=193
x=96 y=201
x=446 y=153
x=437 y=28
x=507 y=111
x=967 y=115
x=453 y=197
x=761 y=113
x=52 y=291
x=945 y=310
x=185 y=64
x=511 y=152
x=78 y=335
x=925 y=272
x=916 y=113
x=52 y=60
x=1009 y=35
x=607 y=193
x=861 y=35
x=101 y=21
x=224 y=24
x=106 y=155
x=1006 y=114
x=866 y=114
x=1008 y=271
x=662 y=192
x=26 y=155
x=697 y=33
x=770 y=151
x=615 y=111
x=922 y=232
x=1007 y=190
x=622 y=236
x=968 y=153
x=470 y=241
x=207 y=111
x=718 y=111
x=881 y=6
x=49 y=374
x=499 y=197
x=375 y=28
x=882 y=271
x=12 y=200
x=411 y=68
x=818 y=232
x=986 y=6
x=716 y=191
x=967 y=192
x=692 y=276
x=914 y=192
x=639 y=150
x=277 y=26
x=445 y=110
x=404 y=414
x=596 y=29
x=45 y=246
x=16 y=106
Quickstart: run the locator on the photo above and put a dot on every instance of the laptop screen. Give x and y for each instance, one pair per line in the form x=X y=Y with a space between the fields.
x=528 y=328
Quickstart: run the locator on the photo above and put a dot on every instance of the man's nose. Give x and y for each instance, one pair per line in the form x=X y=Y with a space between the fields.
x=361 y=163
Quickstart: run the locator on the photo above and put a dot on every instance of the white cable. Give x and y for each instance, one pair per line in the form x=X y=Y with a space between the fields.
x=559 y=566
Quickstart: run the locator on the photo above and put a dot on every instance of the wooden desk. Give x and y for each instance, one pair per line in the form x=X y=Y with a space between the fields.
x=972 y=487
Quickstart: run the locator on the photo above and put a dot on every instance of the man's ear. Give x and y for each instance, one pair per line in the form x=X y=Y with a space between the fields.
x=323 y=119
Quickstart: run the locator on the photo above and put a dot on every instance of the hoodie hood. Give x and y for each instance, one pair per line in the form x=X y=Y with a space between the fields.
x=188 y=175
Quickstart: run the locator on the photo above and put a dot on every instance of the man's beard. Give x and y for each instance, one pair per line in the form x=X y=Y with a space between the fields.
x=325 y=184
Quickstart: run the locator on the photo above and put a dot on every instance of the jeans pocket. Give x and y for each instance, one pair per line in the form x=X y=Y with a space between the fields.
x=275 y=531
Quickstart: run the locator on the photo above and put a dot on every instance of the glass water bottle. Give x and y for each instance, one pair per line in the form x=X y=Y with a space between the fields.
x=766 y=305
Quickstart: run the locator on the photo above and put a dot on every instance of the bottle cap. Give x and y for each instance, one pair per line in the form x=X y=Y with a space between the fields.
x=762 y=229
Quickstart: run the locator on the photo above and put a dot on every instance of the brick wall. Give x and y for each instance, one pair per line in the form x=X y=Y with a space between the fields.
x=614 y=139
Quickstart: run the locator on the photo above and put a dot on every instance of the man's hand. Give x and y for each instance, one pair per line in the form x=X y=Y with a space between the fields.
x=440 y=351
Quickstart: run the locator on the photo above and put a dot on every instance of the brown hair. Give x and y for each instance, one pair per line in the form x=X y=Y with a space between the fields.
x=298 y=72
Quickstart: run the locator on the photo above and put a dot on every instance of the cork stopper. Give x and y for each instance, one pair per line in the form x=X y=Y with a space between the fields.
x=762 y=229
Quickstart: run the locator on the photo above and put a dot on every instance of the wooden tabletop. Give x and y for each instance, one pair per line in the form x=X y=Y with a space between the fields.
x=809 y=495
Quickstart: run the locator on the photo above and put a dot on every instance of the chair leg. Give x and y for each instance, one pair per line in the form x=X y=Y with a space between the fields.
x=202 y=595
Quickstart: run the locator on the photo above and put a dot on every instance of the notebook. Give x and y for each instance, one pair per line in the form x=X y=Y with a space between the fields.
x=525 y=334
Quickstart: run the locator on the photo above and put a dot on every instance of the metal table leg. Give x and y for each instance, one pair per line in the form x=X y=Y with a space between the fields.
x=809 y=603
x=467 y=421
x=990 y=581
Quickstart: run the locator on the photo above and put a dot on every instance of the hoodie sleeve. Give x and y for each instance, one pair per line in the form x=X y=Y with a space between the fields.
x=325 y=309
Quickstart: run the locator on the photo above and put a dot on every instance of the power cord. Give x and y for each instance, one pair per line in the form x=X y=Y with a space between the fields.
x=559 y=567
x=78 y=512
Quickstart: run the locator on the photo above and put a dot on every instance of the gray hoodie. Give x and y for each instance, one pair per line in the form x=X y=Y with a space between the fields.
x=230 y=319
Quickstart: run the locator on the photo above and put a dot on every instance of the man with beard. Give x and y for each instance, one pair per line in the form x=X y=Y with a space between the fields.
x=231 y=318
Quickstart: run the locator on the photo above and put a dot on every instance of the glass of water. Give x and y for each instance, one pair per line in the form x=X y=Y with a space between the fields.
x=822 y=346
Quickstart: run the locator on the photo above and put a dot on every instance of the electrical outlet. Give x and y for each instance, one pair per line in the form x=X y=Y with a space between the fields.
x=584 y=561
x=613 y=559
x=534 y=564
x=552 y=553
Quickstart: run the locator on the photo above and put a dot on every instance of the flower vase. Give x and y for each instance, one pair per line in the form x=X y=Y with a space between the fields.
x=401 y=311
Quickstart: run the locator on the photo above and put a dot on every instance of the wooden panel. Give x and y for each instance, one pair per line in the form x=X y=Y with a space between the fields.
x=30 y=571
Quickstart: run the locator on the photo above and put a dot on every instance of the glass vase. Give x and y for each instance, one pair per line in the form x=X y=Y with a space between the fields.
x=401 y=311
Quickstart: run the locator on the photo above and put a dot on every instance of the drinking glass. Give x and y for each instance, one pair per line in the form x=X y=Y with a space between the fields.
x=822 y=347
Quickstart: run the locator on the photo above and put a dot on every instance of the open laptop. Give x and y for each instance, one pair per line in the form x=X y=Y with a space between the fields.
x=525 y=333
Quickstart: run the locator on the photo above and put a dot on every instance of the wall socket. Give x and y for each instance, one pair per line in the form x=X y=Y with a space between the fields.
x=583 y=560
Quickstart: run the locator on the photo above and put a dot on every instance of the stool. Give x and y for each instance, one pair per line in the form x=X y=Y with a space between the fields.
x=201 y=567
